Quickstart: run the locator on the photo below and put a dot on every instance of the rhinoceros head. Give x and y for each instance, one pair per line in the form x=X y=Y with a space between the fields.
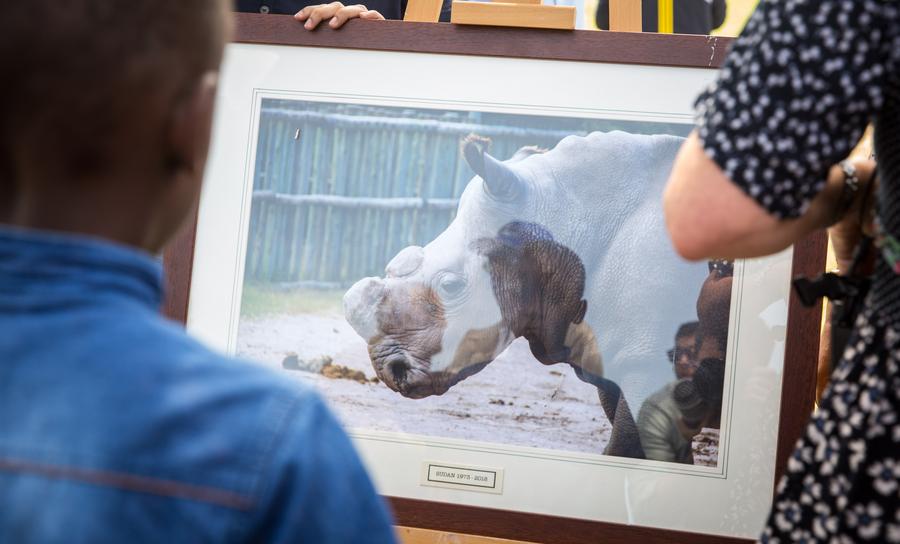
x=443 y=312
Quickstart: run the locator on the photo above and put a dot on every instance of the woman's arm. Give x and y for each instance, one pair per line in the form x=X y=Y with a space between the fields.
x=790 y=102
x=709 y=216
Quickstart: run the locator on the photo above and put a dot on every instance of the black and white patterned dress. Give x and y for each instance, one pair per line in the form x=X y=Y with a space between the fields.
x=795 y=95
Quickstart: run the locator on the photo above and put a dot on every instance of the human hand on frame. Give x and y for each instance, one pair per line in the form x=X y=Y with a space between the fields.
x=336 y=13
x=859 y=219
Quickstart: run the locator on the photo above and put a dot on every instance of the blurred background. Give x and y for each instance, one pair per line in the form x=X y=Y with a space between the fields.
x=737 y=13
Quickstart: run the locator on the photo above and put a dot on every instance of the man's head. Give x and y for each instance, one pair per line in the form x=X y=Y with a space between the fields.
x=105 y=113
x=683 y=355
x=713 y=310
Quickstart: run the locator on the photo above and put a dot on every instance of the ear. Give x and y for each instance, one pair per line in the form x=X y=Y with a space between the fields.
x=499 y=180
x=473 y=152
x=185 y=146
x=527 y=151
x=190 y=126
x=581 y=313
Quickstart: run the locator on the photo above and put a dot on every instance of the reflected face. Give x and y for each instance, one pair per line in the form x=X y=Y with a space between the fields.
x=684 y=360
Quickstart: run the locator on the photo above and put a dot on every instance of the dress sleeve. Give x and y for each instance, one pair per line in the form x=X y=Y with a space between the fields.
x=795 y=95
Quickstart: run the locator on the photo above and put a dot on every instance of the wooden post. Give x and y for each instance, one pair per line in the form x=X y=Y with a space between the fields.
x=625 y=15
x=508 y=14
x=423 y=11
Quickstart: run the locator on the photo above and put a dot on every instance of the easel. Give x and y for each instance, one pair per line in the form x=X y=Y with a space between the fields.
x=624 y=15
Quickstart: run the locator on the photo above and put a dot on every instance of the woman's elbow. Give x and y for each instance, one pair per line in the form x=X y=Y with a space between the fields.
x=689 y=201
x=684 y=241
x=689 y=239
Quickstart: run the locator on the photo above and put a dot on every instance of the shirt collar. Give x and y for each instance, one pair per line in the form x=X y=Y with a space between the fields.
x=40 y=268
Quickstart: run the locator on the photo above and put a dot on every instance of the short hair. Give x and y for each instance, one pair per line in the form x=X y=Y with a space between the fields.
x=687 y=329
x=76 y=72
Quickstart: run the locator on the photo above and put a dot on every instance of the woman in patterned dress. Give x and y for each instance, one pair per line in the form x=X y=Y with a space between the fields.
x=795 y=95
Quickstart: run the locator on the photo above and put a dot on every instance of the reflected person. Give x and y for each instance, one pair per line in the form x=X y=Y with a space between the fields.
x=335 y=14
x=671 y=417
x=687 y=16
x=683 y=356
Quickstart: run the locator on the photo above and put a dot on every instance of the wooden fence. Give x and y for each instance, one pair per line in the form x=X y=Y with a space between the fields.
x=340 y=189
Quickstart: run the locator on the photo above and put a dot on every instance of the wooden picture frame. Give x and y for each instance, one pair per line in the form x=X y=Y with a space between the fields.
x=802 y=339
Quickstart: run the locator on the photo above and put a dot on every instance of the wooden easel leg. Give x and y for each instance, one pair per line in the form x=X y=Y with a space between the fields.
x=423 y=11
x=625 y=15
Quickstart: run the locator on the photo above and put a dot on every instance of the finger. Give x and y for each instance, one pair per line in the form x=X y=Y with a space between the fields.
x=322 y=12
x=304 y=13
x=317 y=15
x=345 y=14
x=371 y=15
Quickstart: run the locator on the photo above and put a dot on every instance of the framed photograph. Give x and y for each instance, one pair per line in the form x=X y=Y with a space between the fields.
x=455 y=234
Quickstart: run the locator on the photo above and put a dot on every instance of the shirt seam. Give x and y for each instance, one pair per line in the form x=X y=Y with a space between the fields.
x=129 y=482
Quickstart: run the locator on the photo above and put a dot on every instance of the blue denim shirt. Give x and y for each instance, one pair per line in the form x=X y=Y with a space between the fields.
x=117 y=427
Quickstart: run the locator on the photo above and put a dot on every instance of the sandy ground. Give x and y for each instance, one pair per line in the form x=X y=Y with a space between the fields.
x=515 y=400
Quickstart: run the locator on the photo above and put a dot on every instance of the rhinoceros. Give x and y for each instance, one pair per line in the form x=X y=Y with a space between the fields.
x=565 y=248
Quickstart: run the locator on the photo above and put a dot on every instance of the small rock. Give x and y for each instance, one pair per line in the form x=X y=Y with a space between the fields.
x=291 y=362
x=316 y=364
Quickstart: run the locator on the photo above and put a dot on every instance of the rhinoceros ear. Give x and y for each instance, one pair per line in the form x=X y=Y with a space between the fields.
x=499 y=180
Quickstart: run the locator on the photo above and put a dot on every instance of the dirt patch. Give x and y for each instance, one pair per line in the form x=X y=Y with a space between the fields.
x=541 y=407
x=340 y=372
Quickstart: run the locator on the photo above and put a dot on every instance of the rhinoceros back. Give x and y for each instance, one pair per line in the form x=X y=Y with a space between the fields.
x=607 y=207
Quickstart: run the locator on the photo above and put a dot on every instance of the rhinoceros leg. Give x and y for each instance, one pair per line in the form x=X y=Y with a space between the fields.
x=624 y=440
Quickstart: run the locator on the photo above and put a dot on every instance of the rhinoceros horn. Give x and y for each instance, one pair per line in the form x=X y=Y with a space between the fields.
x=499 y=180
